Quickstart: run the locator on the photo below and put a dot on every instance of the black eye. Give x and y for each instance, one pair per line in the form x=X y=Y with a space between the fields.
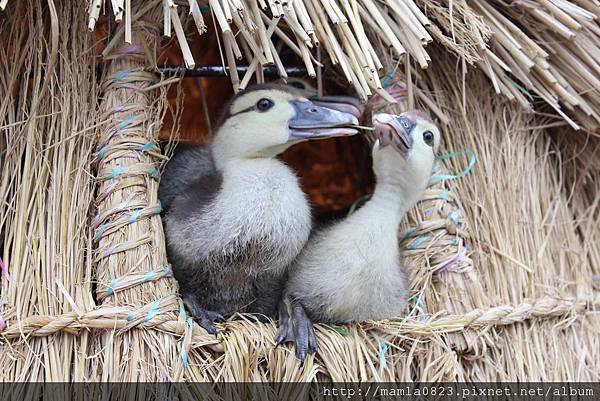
x=264 y=104
x=428 y=138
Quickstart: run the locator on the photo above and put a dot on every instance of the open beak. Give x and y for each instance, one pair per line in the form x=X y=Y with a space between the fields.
x=394 y=130
x=313 y=121
x=346 y=104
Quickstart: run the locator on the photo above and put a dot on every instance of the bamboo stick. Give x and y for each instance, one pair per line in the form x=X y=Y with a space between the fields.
x=228 y=39
x=219 y=15
x=255 y=47
x=226 y=11
x=562 y=16
x=127 y=12
x=375 y=13
x=360 y=43
x=197 y=15
x=94 y=13
x=305 y=21
x=295 y=27
x=314 y=15
x=262 y=33
x=167 y=28
x=188 y=58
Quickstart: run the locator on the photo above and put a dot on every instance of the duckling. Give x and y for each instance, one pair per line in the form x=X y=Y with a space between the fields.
x=235 y=216
x=352 y=271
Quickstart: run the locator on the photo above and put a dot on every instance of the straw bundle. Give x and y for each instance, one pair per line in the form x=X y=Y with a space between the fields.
x=135 y=283
x=47 y=115
x=48 y=120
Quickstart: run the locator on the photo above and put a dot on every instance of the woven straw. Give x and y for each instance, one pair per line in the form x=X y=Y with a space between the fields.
x=502 y=264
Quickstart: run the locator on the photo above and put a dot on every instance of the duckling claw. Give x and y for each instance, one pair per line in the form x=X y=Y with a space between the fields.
x=285 y=333
x=297 y=328
x=205 y=318
x=304 y=333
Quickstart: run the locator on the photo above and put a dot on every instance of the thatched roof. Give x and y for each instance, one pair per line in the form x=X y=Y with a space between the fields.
x=531 y=51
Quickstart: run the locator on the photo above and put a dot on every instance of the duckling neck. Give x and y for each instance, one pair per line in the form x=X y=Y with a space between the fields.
x=232 y=166
x=393 y=198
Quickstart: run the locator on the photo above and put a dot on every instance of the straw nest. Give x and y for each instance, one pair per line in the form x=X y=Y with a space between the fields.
x=503 y=256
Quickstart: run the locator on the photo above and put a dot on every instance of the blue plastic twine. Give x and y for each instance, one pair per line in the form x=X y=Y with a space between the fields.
x=102 y=152
x=454 y=216
x=146 y=147
x=111 y=286
x=100 y=232
x=472 y=161
x=388 y=77
x=148 y=276
x=135 y=216
x=408 y=233
x=444 y=194
x=153 y=310
x=383 y=349
x=121 y=75
x=116 y=172
x=125 y=123
x=419 y=306
x=183 y=354
x=418 y=242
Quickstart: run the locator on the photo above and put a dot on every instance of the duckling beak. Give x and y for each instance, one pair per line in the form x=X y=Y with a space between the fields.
x=394 y=130
x=312 y=121
x=346 y=104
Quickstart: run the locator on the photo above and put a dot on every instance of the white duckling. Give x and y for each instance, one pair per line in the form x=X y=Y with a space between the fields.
x=353 y=271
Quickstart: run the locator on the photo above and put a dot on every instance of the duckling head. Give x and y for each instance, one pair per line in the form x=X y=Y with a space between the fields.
x=404 y=149
x=263 y=121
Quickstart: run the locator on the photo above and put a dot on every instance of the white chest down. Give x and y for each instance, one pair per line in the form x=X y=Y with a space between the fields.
x=263 y=198
x=361 y=277
x=257 y=223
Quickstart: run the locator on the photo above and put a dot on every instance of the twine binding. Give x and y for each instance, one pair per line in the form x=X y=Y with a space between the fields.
x=156 y=315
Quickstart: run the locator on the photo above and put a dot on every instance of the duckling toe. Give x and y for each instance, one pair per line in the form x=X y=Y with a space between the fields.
x=215 y=317
x=285 y=333
x=205 y=318
x=304 y=333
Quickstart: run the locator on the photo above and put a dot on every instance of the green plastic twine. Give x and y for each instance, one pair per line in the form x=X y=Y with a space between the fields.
x=472 y=161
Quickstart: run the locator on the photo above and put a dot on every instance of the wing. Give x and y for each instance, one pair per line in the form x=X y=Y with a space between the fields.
x=191 y=168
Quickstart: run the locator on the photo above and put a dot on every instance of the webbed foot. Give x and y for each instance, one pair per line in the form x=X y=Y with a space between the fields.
x=296 y=328
x=205 y=318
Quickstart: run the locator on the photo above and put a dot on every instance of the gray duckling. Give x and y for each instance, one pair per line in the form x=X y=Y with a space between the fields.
x=235 y=216
x=352 y=271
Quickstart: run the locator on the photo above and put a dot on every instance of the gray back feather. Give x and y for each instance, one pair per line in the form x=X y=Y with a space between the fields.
x=190 y=168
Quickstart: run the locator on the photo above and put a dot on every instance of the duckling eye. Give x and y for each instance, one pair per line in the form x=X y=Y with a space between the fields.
x=264 y=104
x=428 y=138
